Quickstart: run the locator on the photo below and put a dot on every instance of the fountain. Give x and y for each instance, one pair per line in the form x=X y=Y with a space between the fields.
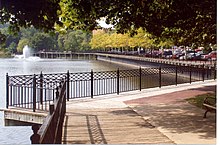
x=27 y=54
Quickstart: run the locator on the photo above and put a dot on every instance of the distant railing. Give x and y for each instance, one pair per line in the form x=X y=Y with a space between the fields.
x=37 y=92
x=32 y=91
x=50 y=131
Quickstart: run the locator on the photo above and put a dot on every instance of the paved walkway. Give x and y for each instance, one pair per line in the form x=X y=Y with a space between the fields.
x=151 y=116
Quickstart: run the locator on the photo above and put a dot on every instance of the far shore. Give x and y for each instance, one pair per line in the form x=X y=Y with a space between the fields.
x=4 y=54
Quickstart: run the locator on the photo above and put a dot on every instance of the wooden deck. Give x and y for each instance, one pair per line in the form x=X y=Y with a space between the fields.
x=109 y=126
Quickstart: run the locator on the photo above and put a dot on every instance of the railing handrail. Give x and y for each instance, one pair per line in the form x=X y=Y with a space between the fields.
x=50 y=131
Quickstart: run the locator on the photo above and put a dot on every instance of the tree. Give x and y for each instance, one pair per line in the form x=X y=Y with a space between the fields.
x=28 y=32
x=110 y=39
x=12 y=47
x=42 y=14
x=191 y=21
x=42 y=41
x=21 y=44
x=2 y=39
x=74 y=41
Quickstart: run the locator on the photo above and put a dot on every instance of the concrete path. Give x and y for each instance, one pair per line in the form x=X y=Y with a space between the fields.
x=157 y=115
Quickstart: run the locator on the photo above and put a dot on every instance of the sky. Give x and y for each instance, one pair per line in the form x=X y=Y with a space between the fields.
x=103 y=24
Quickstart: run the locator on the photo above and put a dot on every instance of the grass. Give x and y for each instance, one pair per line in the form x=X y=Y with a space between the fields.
x=198 y=100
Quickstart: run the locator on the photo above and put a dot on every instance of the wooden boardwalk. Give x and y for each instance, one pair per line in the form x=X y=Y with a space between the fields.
x=109 y=126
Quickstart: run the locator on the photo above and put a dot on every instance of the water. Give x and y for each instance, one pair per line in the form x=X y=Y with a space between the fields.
x=26 y=51
x=21 y=134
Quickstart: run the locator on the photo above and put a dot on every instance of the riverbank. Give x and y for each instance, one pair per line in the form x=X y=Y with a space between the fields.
x=4 y=54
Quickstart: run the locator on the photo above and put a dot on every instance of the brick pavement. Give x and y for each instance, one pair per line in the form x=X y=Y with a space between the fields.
x=177 y=119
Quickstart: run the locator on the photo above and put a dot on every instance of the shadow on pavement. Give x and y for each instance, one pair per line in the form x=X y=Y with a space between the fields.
x=171 y=113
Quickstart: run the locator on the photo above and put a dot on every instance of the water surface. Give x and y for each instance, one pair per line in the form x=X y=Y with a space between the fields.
x=21 y=134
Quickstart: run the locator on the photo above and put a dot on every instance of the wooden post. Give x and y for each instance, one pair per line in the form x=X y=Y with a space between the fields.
x=34 y=93
x=35 y=138
x=51 y=109
x=91 y=83
x=7 y=90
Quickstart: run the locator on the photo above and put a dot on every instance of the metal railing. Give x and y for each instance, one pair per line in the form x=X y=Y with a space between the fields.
x=37 y=92
x=50 y=131
x=32 y=91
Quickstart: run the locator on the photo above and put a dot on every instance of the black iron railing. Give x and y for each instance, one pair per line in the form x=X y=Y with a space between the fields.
x=38 y=91
x=32 y=91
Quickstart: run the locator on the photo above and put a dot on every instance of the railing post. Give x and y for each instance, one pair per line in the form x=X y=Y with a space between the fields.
x=190 y=74
x=51 y=109
x=34 y=93
x=118 y=81
x=57 y=93
x=140 y=78
x=203 y=72
x=176 y=68
x=215 y=71
x=160 y=77
x=35 y=138
x=41 y=88
x=68 y=86
x=7 y=90
x=91 y=83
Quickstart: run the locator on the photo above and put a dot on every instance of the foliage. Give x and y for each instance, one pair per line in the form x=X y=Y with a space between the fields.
x=2 y=38
x=185 y=21
x=74 y=41
x=39 y=40
x=42 y=14
x=43 y=41
x=4 y=53
x=21 y=44
x=110 y=39
x=12 y=47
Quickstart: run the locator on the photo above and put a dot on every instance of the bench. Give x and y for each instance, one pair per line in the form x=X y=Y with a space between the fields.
x=209 y=104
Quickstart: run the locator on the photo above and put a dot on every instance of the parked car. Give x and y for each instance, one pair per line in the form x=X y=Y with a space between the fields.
x=167 y=54
x=177 y=53
x=195 y=56
x=153 y=53
x=156 y=53
x=210 y=56
x=187 y=55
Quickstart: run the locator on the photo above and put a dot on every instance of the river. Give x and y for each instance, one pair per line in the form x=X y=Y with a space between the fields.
x=21 y=134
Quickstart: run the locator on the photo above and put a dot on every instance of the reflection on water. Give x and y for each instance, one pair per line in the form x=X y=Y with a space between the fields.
x=20 y=135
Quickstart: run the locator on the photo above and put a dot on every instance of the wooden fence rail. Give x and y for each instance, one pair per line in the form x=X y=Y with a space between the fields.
x=50 y=132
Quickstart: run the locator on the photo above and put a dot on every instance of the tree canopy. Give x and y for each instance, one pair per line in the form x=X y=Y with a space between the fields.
x=108 y=40
x=38 y=40
x=185 y=21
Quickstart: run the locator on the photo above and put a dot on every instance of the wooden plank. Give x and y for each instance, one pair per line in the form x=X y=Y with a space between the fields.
x=109 y=126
